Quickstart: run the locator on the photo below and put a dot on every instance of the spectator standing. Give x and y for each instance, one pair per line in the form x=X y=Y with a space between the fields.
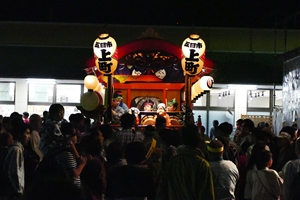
x=225 y=173
x=214 y=132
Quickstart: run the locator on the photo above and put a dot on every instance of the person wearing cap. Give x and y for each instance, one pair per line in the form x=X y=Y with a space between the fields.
x=117 y=111
x=286 y=147
x=225 y=173
x=122 y=104
x=161 y=111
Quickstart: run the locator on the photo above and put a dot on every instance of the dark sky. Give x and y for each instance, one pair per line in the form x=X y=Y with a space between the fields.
x=203 y=13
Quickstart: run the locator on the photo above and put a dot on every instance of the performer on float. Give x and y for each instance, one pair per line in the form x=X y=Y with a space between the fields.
x=116 y=110
x=122 y=104
x=161 y=110
x=135 y=111
x=172 y=105
x=148 y=106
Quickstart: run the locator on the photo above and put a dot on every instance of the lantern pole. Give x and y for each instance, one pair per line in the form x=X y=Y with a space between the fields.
x=189 y=119
x=109 y=97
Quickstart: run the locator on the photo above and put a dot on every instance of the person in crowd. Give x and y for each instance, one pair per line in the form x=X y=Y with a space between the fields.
x=52 y=140
x=134 y=180
x=171 y=139
x=26 y=117
x=5 y=125
x=286 y=148
x=246 y=132
x=214 y=130
x=6 y=140
x=289 y=173
x=259 y=136
x=231 y=149
x=122 y=104
x=77 y=120
x=45 y=117
x=93 y=176
x=114 y=157
x=263 y=183
x=187 y=175
x=66 y=159
x=116 y=110
x=160 y=124
x=14 y=161
x=238 y=131
x=127 y=134
x=225 y=173
x=107 y=133
x=35 y=122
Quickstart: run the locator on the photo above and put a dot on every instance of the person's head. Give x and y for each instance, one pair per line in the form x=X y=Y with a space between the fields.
x=114 y=152
x=21 y=132
x=160 y=123
x=202 y=130
x=161 y=108
x=135 y=152
x=215 y=123
x=256 y=151
x=239 y=123
x=35 y=122
x=264 y=160
x=69 y=132
x=148 y=106
x=225 y=129
x=127 y=120
x=25 y=115
x=45 y=115
x=284 y=139
x=92 y=144
x=6 y=139
x=215 y=149
x=291 y=131
x=191 y=135
x=116 y=99
x=171 y=137
x=56 y=112
x=6 y=124
x=149 y=131
x=106 y=131
x=247 y=126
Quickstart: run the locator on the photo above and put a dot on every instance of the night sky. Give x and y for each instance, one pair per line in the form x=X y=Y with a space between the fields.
x=203 y=13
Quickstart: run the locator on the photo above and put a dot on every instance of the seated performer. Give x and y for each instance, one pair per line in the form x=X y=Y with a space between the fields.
x=172 y=105
x=148 y=106
x=161 y=110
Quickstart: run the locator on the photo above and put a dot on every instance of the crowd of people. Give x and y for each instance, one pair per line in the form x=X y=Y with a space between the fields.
x=49 y=157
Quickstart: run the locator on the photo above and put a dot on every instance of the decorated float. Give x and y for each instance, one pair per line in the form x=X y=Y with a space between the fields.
x=151 y=74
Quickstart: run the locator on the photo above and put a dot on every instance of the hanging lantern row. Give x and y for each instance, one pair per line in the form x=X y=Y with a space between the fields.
x=193 y=49
x=104 y=48
x=201 y=86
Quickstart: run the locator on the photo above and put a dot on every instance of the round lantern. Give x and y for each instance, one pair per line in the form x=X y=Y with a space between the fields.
x=91 y=100
x=193 y=42
x=192 y=69
x=101 y=66
x=206 y=82
x=91 y=82
x=104 y=46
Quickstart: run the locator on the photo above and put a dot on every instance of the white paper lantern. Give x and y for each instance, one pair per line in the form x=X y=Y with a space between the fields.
x=206 y=82
x=104 y=46
x=91 y=82
x=193 y=45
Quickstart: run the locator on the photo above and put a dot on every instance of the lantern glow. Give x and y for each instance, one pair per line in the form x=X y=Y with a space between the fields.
x=91 y=82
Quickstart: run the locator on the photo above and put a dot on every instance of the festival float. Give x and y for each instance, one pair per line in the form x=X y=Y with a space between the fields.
x=154 y=76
